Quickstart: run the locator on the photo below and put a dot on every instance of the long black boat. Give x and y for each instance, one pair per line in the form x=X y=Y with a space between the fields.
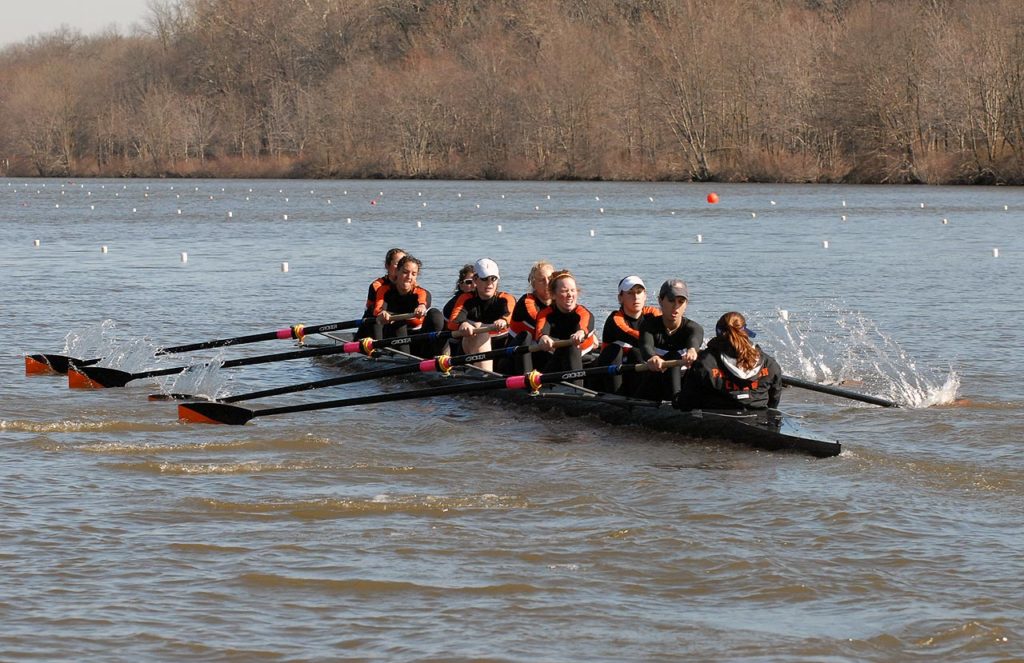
x=767 y=429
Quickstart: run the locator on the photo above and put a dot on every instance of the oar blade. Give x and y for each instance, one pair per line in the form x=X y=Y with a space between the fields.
x=97 y=377
x=40 y=365
x=214 y=413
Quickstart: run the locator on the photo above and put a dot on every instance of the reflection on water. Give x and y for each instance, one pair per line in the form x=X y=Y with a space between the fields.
x=455 y=529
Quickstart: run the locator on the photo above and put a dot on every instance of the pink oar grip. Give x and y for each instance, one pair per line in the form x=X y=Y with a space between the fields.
x=351 y=347
x=284 y=333
x=427 y=366
x=516 y=382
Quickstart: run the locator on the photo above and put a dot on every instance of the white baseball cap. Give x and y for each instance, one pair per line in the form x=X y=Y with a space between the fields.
x=627 y=284
x=485 y=267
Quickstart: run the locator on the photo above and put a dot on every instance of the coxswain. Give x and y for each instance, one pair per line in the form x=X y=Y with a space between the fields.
x=406 y=296
x=670 y=336
x=368 y=327
x=620 y=338
x=485 y=305
x=524 y=316
x=565 y=318
x=731 y=372
x=463 y=284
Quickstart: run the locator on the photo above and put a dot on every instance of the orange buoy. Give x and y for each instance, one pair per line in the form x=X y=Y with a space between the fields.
x=712 y=197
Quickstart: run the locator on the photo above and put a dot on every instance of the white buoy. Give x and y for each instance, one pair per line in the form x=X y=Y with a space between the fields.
x=673 y=212
x=286 y=199
x=503 y=196
x=179 y=212
x=284 y=267
x=995 y=253
x=478 y=205
x=945 y=222
x=57 y=205
x=35 y=242
x=536 y=208
x=328 y=201
x=1006 y=207
x=753 y=215
x=184 y=257
x=843 y=217
x=459 y=195
x=549 y=197
x=348 y=220
x=103 y=249
x=382 y=193
x=499 y=227
x=772 y=202
x=700 y=238
x=844 y=203
x=230 y=214
x=597 y=197
x=784 y=315
x=922 y=205
x=285 y=217
x=650 y=198
x=419 y=224
x=824 y=244
x=419 y=193
x=601 y=210
x=592 y=232
x=424 y=204
x=92 y=207
x=134 y=210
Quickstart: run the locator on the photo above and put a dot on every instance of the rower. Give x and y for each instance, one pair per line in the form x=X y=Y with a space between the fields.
x=670 y=336
x=621 y=335
x=406 y=296
x=565 y=318
x=369 y=328
x=484 y=305
x=524 y=316
x=463 y=284
x=731 y=372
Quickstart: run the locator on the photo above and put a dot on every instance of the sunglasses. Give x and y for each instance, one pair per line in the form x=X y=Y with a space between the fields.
x=489 y=279
x=466 y=282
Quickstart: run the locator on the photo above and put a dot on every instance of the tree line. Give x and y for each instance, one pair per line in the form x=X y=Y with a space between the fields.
x=891 y=91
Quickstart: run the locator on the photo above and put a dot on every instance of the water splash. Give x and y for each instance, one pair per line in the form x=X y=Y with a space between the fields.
x=96 y=340
x=201 y=378
x=845 y=347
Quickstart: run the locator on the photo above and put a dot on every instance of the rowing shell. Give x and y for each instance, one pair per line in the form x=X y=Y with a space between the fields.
x=763 y=429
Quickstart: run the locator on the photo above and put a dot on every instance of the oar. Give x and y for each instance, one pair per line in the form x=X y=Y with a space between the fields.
x=210 y=412
x=52 y=363
x=835 y=391
x=99 y=377
x=442 y=363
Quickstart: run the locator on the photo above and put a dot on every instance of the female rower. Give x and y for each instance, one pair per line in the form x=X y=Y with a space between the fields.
x=485 y=305
x=565 y=318
x=390 y=273
x=463 y=284
x=731 y=372
x=621 y=336
x=406 y=296
x=670 y=336
x=524 y=317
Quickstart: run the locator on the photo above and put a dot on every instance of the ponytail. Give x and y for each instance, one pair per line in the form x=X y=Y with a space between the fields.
x=732 y=328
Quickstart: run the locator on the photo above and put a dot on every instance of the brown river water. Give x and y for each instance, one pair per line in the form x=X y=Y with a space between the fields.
x=451 y=529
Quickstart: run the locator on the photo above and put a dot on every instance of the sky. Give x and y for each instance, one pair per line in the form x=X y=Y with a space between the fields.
x=21 y=19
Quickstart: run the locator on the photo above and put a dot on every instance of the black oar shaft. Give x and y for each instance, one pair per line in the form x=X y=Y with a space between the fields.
x=836 y=391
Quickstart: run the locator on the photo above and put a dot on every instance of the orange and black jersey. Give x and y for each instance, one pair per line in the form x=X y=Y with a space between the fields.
x=553 y=322
x=524 y=315
x=389 y=299
x=713 y=383
x=371 y=294
x=469 y=307
x=623 y=330
x=656 y=340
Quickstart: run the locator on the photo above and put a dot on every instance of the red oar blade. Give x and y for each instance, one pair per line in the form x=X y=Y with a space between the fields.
x=215 y=413
x=97 y=377
x=38 y=365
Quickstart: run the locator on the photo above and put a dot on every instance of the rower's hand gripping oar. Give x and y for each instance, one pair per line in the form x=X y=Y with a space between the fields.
x=36 y=364
x=443 y=364
x=836 y=391
x=99 y=377
x=210 y=412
